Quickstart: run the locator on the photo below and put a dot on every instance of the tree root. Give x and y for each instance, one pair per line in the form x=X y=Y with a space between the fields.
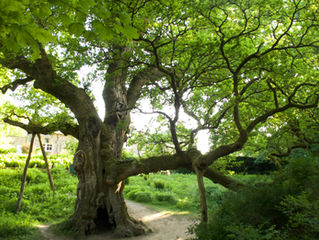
x=132 y=228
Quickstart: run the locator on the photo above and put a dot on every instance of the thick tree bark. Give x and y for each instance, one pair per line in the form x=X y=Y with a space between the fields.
x=100 y=204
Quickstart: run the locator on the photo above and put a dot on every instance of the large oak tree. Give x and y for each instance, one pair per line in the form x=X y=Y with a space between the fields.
x=229 y=65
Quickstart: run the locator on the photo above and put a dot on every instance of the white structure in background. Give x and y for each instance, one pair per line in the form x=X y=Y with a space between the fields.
x=54 y=143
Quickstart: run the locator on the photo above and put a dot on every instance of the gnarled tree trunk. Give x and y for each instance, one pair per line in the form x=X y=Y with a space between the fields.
x=100 y=204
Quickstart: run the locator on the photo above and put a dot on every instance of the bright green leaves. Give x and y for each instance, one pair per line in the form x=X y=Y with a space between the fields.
x=10 y=16
x=20 y=29
x=130 y=32
x=86 y=5
x=103 y=32
x=116 y=27
x=124 y=18
x=202 y=50
x=25 y=25
x=37 y=106
x=101 y=21
x=125 y=27
x=44 y=11
x=76 y=28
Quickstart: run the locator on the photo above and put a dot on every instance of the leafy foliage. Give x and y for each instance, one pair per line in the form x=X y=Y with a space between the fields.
x=235 y=68
x=284 y=209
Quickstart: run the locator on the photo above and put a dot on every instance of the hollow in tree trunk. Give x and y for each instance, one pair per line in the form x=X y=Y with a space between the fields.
x=100 y=205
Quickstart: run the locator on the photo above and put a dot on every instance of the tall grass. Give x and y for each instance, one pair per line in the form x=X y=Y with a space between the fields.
x=39 y=205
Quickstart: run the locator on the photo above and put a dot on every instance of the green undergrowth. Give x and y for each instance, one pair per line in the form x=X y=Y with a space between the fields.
x=175 y=193
x=178 y=192
x=39 y=204
x=285 y=209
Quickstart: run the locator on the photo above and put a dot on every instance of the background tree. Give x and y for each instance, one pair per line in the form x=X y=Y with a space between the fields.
x=230 y=66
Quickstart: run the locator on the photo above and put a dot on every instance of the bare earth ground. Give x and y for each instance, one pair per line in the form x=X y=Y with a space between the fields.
x=165 y=226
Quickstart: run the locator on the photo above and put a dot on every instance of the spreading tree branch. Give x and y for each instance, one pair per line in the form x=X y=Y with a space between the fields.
x=119 y=171
x=47 y=80
x=13 y=85
x=65 y=128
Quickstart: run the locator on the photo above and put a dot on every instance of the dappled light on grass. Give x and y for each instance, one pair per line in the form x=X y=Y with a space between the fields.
x=156 y=216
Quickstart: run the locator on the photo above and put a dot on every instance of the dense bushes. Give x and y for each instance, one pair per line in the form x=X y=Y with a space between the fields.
x=247 y=165
x=7 y=150
x=18 y=160
x=286 y=209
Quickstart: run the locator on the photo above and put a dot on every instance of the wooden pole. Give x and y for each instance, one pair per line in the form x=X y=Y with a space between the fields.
x=202 y=194
x=46 y=163
x=24 y=176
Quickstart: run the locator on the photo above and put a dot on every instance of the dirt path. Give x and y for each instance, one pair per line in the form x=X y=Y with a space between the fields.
x=165 y=226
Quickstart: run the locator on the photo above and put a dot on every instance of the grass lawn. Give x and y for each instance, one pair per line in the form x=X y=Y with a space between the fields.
x=39 y=205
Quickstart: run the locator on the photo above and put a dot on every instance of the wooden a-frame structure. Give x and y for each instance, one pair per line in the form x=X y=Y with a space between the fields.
x=24 y=176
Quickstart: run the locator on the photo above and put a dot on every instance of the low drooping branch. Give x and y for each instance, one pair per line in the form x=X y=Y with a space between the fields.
x=218 y=177
x=120 y=170
x=65 y=128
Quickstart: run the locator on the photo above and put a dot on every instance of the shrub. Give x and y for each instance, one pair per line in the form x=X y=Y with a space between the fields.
x=35 y=177
x=8 y=150
x=36 y=161
x=184 y=203
x=248 y=232
x=165 y=197
x=131 y=195
x=303 y=215
x=39 y=189
x=287 y=208
x=143 y=197
x=159 y=184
